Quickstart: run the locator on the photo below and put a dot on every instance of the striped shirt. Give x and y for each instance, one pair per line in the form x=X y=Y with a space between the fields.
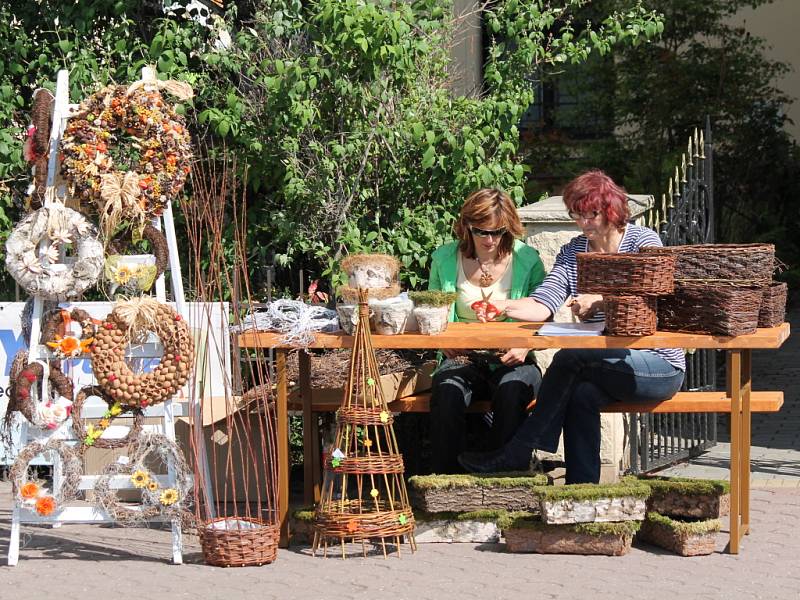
x=562 y=281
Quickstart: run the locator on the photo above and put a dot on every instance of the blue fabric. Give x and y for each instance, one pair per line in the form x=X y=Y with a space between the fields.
x=576 y=386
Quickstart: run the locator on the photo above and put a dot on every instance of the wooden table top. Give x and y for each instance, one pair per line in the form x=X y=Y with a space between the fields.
x=523 y=335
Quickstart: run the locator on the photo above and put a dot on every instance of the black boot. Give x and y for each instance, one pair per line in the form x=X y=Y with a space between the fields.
x=497 y=461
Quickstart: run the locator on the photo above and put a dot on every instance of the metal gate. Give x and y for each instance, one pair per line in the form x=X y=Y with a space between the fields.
x=685 y=215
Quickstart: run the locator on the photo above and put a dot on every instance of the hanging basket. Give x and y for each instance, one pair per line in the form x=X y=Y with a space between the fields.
x=710 y=308
x=722 y=264
x=630 y=315
x=238 y=542
x=773 y=305
x=625 y=273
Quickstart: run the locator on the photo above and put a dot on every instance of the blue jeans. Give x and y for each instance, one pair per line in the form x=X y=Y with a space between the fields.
x=576 y=386
x=455 y=384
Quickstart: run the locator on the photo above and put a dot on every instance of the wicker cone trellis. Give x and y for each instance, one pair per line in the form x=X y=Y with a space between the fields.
x=363 y=493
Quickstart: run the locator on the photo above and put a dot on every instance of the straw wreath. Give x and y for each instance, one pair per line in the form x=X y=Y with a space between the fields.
x=127 y=151
x=56 y=226
x=157 y=501
x=130 y=322
x=31 y=493
x=90 y=435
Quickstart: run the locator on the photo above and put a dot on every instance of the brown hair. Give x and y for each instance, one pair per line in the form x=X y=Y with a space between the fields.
x=481 y=206
x=594 y=190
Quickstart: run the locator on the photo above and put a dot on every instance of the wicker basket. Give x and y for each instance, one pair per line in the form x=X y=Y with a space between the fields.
x=725 y=264
x=625 y=273
x=630 y=315
x=773 y=305
x=238 y=542
x=710 y=308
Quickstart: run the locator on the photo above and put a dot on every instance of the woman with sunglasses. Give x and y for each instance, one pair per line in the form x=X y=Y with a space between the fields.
x=579 y=382
x=486 y=262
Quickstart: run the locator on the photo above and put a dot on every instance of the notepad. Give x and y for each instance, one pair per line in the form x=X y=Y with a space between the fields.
x=572 y=328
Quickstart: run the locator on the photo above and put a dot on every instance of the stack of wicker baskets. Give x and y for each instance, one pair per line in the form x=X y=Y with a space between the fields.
x=719 y=289
x=630 y=284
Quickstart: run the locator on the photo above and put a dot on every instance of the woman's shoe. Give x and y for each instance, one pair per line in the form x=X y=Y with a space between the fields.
x=497 y=461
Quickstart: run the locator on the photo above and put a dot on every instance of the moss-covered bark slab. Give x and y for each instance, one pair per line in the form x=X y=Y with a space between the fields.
x=690 y=498
x=450 y=531
x=610 y=539
x=590 y=503
x=464 y=493
x=687 y=538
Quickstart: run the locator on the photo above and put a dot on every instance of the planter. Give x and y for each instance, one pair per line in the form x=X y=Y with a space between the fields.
x=609 y=539
x=589 y=503
x=238 y=542
x=456 y=530
x=696 y=499
x=348 y=317
x=390 y=317
x=431 y=320
x=460 y=493
x=131 y=272
x=687 y=538
x=371 y=270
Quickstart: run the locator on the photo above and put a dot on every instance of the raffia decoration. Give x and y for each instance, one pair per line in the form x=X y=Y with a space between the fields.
x=57 y=225
x=131 y=321
x=27 y=492
x=92 y=435
x=171 y=501
x=152 y=152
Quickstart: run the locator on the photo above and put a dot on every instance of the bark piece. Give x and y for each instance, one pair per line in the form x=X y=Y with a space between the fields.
x=558 y=539
x=467 y=493
x=454 y=530
x=603 y=510
x=687 y=539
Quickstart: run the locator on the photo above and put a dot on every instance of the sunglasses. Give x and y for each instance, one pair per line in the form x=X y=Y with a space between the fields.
x=587 y=216
x=496 y=233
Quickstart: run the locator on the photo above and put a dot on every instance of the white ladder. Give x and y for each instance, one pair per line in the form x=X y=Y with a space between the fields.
x=167 y=410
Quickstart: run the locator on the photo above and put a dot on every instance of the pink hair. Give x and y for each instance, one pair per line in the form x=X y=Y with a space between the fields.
x=594 y=190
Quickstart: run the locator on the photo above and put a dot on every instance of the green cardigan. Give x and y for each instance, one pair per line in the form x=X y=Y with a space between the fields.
x=527 y=271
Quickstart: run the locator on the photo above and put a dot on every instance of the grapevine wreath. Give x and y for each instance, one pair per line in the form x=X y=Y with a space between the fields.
x=130 y=322
x=127 y=151
x=91 y=434
x=67 y=345
x=31 y=493
x=121 y=271
x=157 y=500
x=46 y=276
x=49 y=412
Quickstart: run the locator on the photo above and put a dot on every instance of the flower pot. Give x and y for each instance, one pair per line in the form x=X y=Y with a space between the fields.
x=431 y=319
x=348 y=317
x=371 y=270
x=390 y=317
x=131 y=272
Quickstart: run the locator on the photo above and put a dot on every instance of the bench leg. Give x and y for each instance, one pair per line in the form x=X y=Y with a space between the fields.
x=283 y=445
x=311 y=459
x=746 y=436
x=734 y=360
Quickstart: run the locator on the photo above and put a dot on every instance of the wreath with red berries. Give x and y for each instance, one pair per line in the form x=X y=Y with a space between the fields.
x=130 y=322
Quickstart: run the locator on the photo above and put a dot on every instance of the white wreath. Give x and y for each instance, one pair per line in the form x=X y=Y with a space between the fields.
x=48 y=277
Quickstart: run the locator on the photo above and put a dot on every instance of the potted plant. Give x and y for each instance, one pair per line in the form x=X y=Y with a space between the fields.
x=432 y=309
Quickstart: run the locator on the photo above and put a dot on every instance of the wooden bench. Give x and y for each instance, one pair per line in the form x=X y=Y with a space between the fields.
x=682 y=402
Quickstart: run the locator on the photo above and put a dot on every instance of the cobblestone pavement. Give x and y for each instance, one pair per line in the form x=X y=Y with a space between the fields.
x=775 y=453
x=91 y=561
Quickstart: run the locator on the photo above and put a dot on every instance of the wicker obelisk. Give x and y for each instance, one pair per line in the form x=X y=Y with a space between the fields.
x=364 y=495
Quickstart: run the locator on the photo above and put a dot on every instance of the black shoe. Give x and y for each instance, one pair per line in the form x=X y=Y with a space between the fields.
x=496 y=461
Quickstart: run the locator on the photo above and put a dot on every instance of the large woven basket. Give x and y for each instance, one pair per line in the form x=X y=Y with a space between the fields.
x=625 y=273
x=773 y=304
x=723 y=264
x=238 y=542
x=630 y=315
x=710 y=308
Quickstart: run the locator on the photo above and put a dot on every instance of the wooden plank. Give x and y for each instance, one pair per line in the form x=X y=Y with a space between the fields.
x=523 y=335
x=692 y=402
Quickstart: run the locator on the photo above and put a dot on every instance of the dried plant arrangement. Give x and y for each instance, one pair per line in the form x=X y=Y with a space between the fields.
x=364 y=495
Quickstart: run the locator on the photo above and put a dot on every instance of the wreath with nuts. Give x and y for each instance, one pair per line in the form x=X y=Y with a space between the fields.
x=56 y=333
x=127 y=151
x=130 y=322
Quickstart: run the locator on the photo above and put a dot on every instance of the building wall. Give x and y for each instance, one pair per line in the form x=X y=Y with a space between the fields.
x=777 y=24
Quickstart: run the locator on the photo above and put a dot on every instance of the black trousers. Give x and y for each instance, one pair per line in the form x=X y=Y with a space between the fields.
x=456 y=384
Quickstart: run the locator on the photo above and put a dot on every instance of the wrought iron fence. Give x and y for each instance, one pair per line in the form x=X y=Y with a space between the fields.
x=685 y=215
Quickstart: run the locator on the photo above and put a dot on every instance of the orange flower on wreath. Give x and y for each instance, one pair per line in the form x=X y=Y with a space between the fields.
x=46 y=506
x=70 y=345
x=29 y=491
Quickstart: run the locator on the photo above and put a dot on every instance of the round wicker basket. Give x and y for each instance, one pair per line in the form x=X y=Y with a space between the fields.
x=238 y=542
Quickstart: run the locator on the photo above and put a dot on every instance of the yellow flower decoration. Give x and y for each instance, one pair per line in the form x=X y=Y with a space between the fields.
x=152 y=486
x=384 y=416
x=374 y=493
x=123 y=274
x=368 y=443
x=168 y=497
x=116 y=410
x=104 y=423
x=140 y=478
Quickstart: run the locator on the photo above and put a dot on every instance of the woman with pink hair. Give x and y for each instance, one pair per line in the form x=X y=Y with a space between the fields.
x=580 y=382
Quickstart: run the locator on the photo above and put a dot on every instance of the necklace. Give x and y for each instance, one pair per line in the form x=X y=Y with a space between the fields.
x=486 y=278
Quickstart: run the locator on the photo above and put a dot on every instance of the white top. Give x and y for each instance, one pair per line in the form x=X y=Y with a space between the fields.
x=468 y=292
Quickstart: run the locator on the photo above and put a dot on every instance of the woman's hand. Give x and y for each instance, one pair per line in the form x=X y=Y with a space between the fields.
x=488 y=311
x=585 y=306
x=514 y=357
